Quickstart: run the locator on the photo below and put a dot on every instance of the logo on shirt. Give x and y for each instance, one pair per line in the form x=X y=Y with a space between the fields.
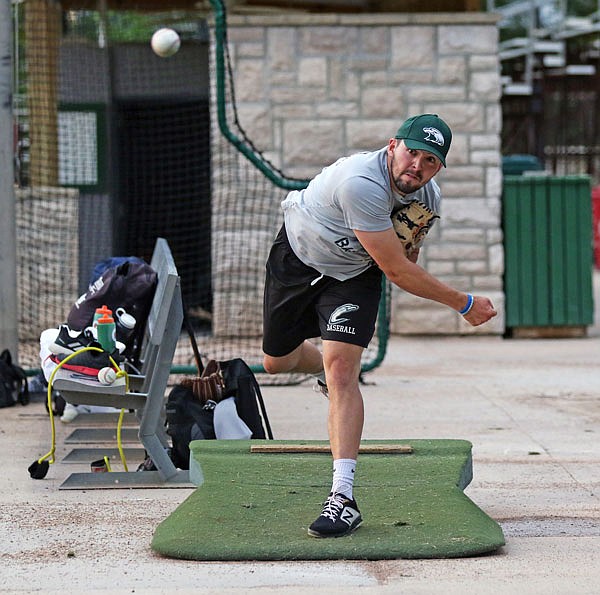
x=344 y=244
x=338 y=317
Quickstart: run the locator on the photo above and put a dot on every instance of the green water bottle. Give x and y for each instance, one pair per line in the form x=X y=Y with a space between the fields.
x=106 y=333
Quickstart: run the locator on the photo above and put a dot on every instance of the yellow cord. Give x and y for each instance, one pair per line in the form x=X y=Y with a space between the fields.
x=50 y=454
x=120 y=373
x=120 y=422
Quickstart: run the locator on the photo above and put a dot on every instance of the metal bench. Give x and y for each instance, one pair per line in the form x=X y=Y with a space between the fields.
x=146 y=394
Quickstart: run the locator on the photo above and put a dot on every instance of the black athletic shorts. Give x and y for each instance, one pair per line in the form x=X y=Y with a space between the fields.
x=300 y=303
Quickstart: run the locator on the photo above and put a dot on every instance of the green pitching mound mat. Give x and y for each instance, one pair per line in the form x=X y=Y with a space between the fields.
x=258 y=505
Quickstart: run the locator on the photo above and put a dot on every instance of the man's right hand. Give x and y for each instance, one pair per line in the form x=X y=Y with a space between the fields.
x=481 y=311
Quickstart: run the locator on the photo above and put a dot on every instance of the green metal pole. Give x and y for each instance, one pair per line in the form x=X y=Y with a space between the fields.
x=221 y=40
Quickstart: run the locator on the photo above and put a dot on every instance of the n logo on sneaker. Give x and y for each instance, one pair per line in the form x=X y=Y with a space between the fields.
x=349 y=515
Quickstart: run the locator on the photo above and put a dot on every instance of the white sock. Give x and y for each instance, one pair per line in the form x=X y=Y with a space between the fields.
x=343 y=476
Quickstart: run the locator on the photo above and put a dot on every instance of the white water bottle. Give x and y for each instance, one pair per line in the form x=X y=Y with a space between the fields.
x=125 y=325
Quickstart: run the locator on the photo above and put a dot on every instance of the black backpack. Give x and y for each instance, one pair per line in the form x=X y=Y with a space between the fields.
x=129 y=285
x=13 y=382
x=188 y=419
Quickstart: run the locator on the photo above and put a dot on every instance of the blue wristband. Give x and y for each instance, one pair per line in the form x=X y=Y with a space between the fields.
x=468 y=307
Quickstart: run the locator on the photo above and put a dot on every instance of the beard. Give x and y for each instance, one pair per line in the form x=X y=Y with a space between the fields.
x=406 y=187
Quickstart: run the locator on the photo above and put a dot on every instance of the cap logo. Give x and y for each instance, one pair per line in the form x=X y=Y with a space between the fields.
x=434 y=136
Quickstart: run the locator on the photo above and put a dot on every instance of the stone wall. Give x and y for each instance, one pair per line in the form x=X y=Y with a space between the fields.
x=310 y=88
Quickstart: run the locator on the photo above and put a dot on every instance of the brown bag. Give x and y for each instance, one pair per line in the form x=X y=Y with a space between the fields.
x=210 y=385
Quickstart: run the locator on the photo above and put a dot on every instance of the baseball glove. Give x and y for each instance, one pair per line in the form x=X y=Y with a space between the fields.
x=210 y=385
x=411 y=224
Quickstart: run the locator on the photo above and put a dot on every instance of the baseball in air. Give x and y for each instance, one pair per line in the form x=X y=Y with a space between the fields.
x=107 y=375
x=165 y=42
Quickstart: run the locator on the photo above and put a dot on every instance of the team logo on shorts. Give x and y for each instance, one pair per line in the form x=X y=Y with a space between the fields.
x=337 y=319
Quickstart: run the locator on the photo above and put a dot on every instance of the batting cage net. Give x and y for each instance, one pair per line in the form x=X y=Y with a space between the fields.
x=116 y=146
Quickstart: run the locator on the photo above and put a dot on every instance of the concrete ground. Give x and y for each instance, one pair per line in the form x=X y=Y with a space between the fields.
x=530 y=407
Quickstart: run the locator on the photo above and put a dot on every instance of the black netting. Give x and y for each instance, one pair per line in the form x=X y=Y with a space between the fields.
x=116 y=147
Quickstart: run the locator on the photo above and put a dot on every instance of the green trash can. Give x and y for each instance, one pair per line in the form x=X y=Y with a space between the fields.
x=515 y=165
x=547 y=225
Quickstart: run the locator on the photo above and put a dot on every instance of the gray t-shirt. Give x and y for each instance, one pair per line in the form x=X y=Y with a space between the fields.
x=352 y=193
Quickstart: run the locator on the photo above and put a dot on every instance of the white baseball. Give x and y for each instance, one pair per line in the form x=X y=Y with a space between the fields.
x=107 y=375
x=165 y=42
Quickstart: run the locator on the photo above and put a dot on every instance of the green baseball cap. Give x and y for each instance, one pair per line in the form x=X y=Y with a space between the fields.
x=427 y=132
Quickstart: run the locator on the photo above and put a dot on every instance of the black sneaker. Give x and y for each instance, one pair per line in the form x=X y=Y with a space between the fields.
x=69 y=341
x=340 y=517
x=87 y=363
